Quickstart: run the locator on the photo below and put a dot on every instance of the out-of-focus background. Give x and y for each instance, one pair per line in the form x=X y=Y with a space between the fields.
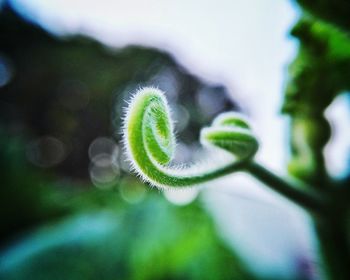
x=71 y=209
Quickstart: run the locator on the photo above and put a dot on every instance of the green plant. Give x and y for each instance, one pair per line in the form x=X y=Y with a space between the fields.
x=319 y=73
x=150 y=143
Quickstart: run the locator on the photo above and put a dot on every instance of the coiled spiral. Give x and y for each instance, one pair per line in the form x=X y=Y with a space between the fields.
x=150 y=142
x=231 y=132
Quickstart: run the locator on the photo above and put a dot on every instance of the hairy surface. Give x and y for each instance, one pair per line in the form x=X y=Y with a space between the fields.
x=149 y=142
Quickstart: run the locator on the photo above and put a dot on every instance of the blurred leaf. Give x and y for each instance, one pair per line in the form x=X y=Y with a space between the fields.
x=152 y=240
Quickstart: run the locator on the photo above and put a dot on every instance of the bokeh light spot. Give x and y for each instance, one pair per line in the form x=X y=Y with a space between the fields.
x=181 y=197
x=104 y=166
x=103 y=172
x=103 y=145
x=132 y=192
x=46 y=151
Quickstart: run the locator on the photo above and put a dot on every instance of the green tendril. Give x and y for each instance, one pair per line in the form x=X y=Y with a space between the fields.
x=231 y=132
x=150 y=142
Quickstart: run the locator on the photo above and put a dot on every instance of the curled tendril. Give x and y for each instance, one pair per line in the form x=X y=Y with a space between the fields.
x=150 y=142
x=231 y=132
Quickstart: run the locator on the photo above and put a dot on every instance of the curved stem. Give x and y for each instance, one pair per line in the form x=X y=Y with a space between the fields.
x=170 y=178
x=150 y=142
x=308 y=200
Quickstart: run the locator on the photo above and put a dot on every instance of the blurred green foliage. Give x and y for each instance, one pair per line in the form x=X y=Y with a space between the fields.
x=336 y=12
x=87 y=234
x=318 y=74
x=25 y=200
x=151 y=240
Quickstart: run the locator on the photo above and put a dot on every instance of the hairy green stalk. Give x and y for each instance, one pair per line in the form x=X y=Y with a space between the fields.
x=150 y=145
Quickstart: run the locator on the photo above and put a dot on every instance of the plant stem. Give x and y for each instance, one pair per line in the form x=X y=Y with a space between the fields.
x=334 y=247
x=330 y=220
x=333 y=234
x=308 y=200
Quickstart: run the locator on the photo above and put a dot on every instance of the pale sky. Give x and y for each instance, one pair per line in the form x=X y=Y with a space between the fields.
x=242 y=44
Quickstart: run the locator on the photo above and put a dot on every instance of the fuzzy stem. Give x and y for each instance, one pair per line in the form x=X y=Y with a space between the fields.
x=150 y=143
x=309 y=201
